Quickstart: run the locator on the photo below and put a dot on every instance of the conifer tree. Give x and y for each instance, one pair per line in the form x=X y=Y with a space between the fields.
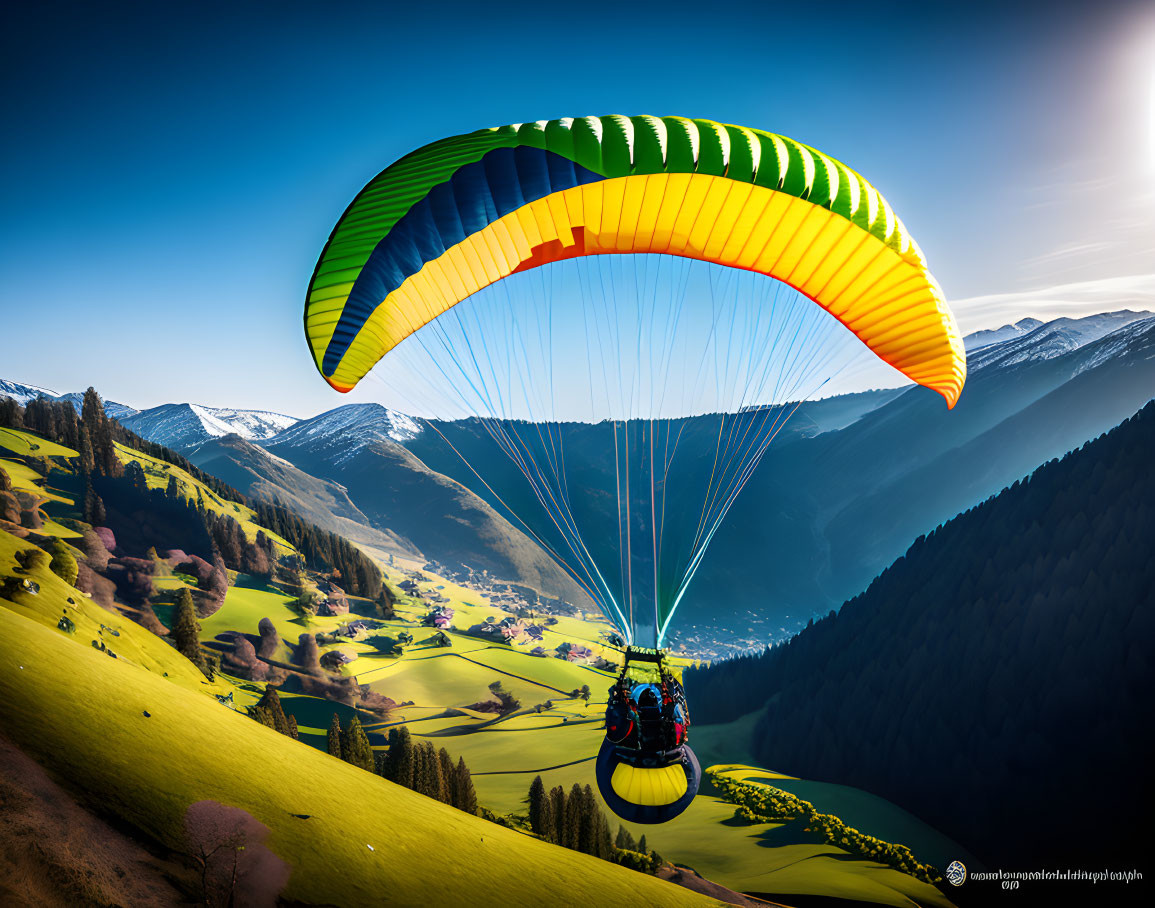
x=335 y=738
x=186 y=629
x=557 y=805
x=574 y=805
x=590 y=821
x=270 y=712
x=642 y=849
x=355 y=746
x=467 y=795
x=625 y=841
x=605 y=844
x=87 y=458
x=94 y=513
x=447 y=776
x=537 y=801
x=400 y=760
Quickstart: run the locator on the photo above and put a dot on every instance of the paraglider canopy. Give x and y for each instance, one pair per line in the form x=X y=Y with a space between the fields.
x=424 y=258
x=462 y=213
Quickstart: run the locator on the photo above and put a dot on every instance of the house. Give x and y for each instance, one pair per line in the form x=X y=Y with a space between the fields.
x=439 y=616
x=332 y=607
x=574 y=652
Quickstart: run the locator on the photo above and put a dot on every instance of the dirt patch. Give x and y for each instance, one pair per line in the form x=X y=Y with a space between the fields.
x=54 y=852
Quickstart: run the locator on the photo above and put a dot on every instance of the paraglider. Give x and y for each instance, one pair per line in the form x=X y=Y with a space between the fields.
x=424 y=271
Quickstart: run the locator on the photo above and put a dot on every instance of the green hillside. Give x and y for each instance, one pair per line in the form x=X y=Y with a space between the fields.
x=149 y=768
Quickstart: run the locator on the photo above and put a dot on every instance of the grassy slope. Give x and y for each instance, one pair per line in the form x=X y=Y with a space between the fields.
x=148 y=770
x=506 y=754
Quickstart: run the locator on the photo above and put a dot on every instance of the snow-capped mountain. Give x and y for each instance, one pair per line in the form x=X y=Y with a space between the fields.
x=116 y=410
x=179 y=426
x=998 y=335
x=1050 y=340
x=1131 y=341
x=339 y=434
x=21 y=392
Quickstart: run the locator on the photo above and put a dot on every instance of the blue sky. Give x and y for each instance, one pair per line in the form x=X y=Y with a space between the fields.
x=172 y=171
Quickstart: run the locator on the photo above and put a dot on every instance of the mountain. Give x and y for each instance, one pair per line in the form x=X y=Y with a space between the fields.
x=266 y=477
x=179 y=426
x=992 y=677
x=841 y=492
x=23 y=393
x=111 y=407
x=353 y=447
x=337 y=435
x=827 y=510
x=998 y=335
x=1052 y=339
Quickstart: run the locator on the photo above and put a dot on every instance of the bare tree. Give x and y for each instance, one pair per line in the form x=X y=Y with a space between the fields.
x=227 y=845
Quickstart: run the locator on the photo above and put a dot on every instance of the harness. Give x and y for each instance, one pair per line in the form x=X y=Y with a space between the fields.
x=629 y=730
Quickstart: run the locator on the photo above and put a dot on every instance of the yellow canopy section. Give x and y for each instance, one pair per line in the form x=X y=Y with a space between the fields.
x=884 y=294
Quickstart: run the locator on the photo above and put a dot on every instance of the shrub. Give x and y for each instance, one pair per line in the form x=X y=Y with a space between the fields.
x=63 y=564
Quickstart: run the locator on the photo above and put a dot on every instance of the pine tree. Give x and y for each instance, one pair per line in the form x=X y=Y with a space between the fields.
x=447 y=776
x=603 y=841
x=335 y=737
x=270 y=712
x=94 y=512
x=642 y=849
x=625 y=841
x=574 y=804
x=537 y=801
x=400 y=760
x=590 y=821
x=186 y=629
x=294 y=732
x=87 y=458
x=557 y=805
x=466 y=793
x=355 y=746
x=438 y=785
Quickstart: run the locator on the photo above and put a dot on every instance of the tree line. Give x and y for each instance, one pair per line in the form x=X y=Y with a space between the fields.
x=1005 y=657
x=94 y=436
x=416 y=766
x=354 y=571
x=765 y=804
x=574 y=820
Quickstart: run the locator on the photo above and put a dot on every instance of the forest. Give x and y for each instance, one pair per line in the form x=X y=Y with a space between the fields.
x=995 y=680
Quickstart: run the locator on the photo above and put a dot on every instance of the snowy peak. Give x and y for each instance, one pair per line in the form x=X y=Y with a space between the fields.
x=111 y=407
x=1133 y=339
x=339 y=434
x=179 y=426
x=998 y=335
x=21 y=392
x=1051 y=340
x=254 y=425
